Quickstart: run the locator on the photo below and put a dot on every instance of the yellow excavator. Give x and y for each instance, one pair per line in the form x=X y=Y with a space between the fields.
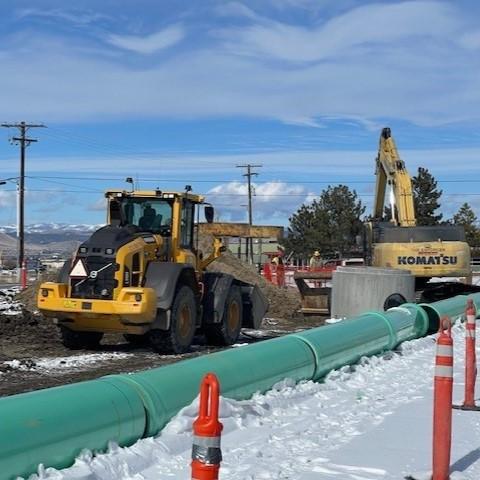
x=142 y=275
x=427 y=251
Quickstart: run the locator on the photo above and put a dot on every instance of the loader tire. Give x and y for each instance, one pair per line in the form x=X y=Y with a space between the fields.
x=228 y=330
x=79 y=340
x=178 y=338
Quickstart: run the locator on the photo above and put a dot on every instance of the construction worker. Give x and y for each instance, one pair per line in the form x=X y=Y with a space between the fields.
x=316 y=261
x=277 y=259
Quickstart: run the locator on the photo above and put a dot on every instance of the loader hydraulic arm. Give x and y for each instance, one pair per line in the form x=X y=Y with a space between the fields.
x=391 y=170
x=218 y=249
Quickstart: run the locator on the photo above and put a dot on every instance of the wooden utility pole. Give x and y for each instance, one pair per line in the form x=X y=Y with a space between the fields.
x=249 y=176
x=24 y=142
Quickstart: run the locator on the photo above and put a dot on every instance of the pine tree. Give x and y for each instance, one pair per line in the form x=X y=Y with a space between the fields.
x=468 y=220
x=329 y=224
x=426 y=196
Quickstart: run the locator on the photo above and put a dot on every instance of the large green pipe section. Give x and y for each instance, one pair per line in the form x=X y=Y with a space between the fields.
x=52 y=426
x=241 y=371
x=452 y=307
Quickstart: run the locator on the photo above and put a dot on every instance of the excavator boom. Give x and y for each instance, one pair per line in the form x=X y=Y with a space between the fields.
x=391 y=171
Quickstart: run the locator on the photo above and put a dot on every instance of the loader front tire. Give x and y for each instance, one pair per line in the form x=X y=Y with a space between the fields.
x=228 y=330
x=178 y=338
x=80 y=340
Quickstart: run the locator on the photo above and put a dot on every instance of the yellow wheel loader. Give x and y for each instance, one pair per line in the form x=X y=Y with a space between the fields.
x=141 y=275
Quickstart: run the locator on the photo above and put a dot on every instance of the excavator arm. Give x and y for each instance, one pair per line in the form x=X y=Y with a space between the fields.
x=390 y=170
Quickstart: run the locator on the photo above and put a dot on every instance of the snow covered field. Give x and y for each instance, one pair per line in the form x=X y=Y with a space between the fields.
x=371 y=422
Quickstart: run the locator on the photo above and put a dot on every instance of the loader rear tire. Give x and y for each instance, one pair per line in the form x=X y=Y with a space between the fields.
x=228 y=330
x=79 y=340
x=183 y=320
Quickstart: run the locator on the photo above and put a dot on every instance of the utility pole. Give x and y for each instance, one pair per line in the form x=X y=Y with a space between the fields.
x=24 y=142
x=249 y=176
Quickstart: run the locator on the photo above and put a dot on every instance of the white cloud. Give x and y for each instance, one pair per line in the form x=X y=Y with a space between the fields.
x=236 y=9
x=272 y=201
x=151 y=43
x=471 y=40
x=7 y=199
x=72 y=16
x=99 y=205
x=373 y=62
x=371 y=25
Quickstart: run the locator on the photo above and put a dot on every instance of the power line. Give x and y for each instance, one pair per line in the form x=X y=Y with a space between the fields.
x=24 y=142
x=228 y=180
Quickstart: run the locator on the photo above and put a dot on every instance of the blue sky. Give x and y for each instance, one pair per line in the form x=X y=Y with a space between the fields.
x=180 y=92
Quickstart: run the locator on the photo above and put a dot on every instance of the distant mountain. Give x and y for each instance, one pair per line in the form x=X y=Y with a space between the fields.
x=46 y=237
x=50 y=228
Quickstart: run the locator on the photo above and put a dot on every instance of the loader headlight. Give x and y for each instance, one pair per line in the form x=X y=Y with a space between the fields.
x=44 y=292
x=138 y=297
x=109 y=251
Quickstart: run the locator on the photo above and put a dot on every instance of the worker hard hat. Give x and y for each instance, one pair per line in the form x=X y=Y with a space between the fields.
x=316 y=253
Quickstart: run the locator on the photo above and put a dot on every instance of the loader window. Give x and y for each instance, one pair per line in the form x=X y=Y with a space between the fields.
x=148 y=214
x=186 y=227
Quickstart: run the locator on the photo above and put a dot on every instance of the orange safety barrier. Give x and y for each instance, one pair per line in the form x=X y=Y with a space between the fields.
x=267 y=272
x=207 y=429
x=442 y=402
x=281 y=275
x=23 y=275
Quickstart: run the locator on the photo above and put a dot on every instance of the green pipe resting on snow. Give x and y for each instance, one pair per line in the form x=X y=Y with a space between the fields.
x=52 y=426
x=451 y=307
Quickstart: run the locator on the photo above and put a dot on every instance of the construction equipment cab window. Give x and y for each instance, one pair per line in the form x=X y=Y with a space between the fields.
x=149 y=215
x=187 y=220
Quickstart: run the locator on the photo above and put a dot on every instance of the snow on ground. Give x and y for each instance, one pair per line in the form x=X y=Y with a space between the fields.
x=371 y=422
x=77 y=362
x=8 y=305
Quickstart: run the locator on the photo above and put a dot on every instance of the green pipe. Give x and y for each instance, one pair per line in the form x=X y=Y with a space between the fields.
x=53 y=426
x=408 y=321
x=452 y=307
x=346 y=342
x=242 y=372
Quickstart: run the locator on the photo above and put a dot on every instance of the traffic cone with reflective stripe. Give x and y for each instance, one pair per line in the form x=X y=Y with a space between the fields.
x=207 y=429
x=442 y=402
x=470 y=356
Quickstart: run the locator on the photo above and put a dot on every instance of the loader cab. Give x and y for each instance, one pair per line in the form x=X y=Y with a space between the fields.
x=171 y=215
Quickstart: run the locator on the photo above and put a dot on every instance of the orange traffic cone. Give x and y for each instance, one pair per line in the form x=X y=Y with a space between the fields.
x=207 y=429
x=442 y=402
x=470 y=358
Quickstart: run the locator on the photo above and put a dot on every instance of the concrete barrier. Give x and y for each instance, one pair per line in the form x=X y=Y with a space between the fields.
x=360 y=289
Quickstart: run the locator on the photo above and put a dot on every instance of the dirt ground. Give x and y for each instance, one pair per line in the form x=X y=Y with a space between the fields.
x=32 y=356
